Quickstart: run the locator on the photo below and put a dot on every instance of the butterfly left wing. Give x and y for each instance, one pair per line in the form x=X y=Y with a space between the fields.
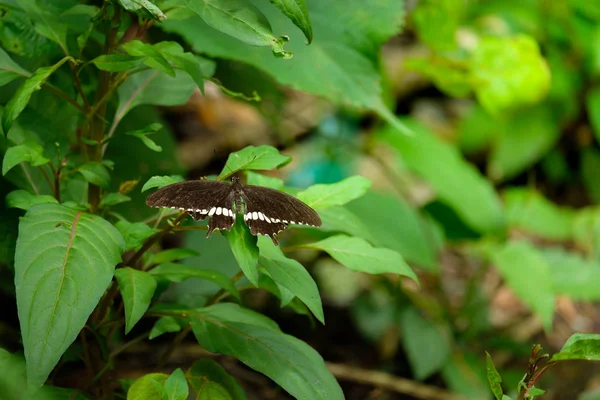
x=270 y=211
x=200 y=199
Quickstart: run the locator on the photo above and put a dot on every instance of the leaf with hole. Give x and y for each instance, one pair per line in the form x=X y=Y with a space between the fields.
x=64 y=261
x=137 y=289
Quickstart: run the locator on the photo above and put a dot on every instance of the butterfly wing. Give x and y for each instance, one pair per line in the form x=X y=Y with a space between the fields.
x=200 y=199
x=270 y=211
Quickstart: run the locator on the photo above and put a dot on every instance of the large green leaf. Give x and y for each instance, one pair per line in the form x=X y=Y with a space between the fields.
x=253 y=157
x=291 y=275
x=344 y=58
x=20 y=99
x=64 y=262
x=240 y=20
x=176 y=386
x=145 y=389
x=335 y=194
x=137 y=289
x=456 y=182
x=527 y=273
x=291 y=363
x=245 y=251
x=358 y=255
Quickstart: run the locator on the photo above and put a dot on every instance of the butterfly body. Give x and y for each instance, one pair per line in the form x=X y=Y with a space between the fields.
x=266 y=211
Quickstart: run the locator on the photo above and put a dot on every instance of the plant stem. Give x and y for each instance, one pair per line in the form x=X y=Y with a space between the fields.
x=176 y=342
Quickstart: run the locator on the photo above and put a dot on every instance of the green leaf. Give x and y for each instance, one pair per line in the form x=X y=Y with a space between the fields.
x=494 y=378
x=397 y=225
x=212 y=391
x=164 y=325
x=456 y=182
x=95 y=173
x=10 y=70
x=335 y=194
x=465 y=375
x=522 y=140
x=144 y=388
x=427 y=348
x=174 y=255
x=253 y=157
x=161 y=181
x=498 y=87
x=64 y=261
x=291 y=363
x=154 y=88
x=529 y=211
x=135 y=234
x=137 y=289
x=528 y=275
x=142 y=134
x=196 y=67
x=586 y=229
x=358 y=255
x=203 y=370
x=24 y=200
x=154 y=59
x=46 y=23
x=580 y=346
x=111 y=199
x=253 y=178
x=436 y=23
x=17 y=103
x=340 y=219
x=180 y=272
x=297 y=12
x=28 y=151
x=244 y=249
x=143 y=8
x=241 y=20
x=291 y=275
x=118 y=62
x=345 y=58
x=176 y=386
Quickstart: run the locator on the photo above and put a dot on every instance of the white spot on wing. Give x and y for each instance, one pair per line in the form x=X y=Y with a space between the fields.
x=218 y=211
x=254 y=215
x=267 y=219
x=212 y=211
x=261 y=216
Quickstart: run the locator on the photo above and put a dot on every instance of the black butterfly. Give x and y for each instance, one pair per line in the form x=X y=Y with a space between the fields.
x=266 y=211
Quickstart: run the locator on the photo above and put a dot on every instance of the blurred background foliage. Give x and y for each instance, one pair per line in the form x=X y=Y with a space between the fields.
x=491 y=197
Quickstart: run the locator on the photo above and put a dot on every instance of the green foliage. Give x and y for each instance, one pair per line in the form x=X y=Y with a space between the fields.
x=504 y=184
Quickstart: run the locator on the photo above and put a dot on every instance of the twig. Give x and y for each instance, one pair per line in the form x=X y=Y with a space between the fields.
x=390 y=382
x=35 y=189
x=176 y=342
x=47 y=177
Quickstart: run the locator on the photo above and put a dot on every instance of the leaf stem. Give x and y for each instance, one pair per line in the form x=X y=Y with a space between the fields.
x=176 y=342
x=47 y=177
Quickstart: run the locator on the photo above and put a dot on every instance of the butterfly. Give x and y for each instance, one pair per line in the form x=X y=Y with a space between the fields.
x=266 y=211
